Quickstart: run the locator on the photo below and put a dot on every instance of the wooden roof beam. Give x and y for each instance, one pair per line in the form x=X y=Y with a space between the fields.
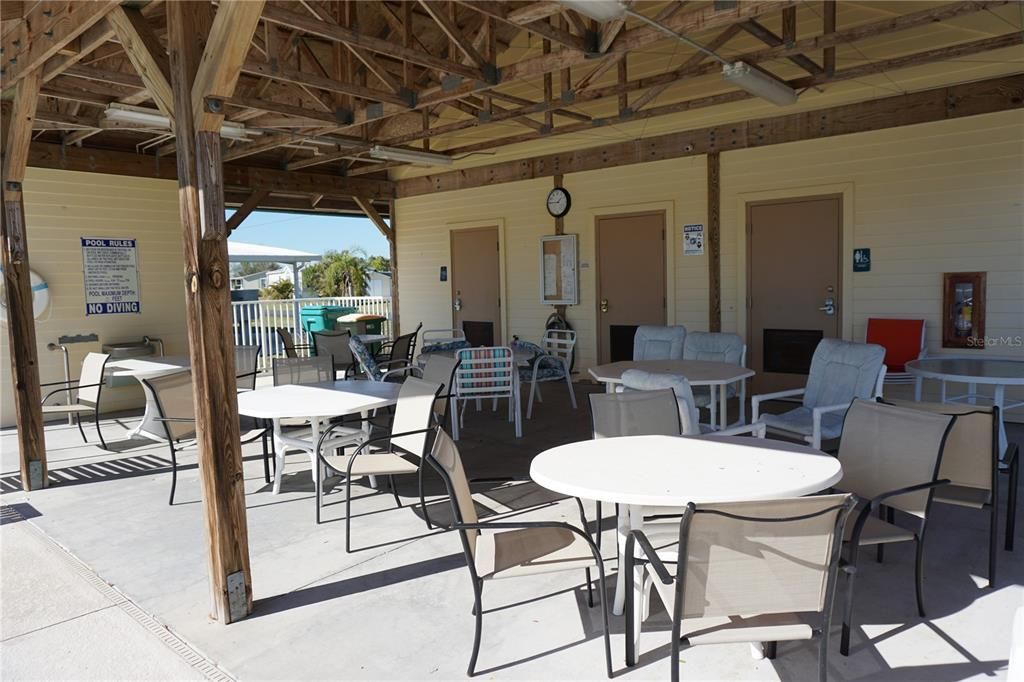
x=367 y=207
x=497 y=10
x=47 y=28
x=146 y=54
x=454 y=33
x=768 y=37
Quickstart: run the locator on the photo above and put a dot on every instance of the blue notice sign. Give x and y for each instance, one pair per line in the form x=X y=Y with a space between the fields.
x=110 y=266
x=862 y=260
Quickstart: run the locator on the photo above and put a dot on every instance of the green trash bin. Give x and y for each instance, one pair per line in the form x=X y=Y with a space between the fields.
x=361 y=323
x=318 y=318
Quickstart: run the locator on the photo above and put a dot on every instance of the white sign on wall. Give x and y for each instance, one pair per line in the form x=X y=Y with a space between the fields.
x=693 y=240
x=111 y=276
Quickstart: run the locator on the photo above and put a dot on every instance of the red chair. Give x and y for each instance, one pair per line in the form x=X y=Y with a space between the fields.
x=903 y=341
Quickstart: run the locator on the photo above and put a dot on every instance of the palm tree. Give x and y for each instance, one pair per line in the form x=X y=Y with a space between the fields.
x=339 y=273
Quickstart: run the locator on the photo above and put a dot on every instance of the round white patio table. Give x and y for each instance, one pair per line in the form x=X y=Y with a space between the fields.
x=997 y=372
x=146 y=368
x=315 y=403
x=716 y=375
x=640 y=472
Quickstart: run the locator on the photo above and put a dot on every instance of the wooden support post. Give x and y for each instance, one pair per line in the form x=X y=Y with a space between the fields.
x=208 y=317
x=714 y=243
x=21 y=324
x=396 y=320
x=829 y=27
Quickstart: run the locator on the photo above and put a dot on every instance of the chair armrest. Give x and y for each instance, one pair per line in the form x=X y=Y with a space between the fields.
x=59 y=383
x=67 y=387
x=519 y=525
x=816 y=414
x=175 y=419
x=757 y=430
x=398 y=370
x=756 y=400
x=638 y=537
x=877 y=501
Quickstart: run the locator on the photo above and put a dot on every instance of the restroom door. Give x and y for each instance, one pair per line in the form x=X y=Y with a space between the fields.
x=630 y=280
x=476 y=284
x=793 y=286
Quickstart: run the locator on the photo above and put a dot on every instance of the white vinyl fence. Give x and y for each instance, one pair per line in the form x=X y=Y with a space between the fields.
x=254 y=322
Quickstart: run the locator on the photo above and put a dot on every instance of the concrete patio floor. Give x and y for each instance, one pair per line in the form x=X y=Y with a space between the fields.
x=399 y=606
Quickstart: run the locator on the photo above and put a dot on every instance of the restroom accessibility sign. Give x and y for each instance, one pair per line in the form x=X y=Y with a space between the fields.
x=111 y=276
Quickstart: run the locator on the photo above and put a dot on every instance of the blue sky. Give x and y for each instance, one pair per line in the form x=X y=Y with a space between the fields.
x=312 y=233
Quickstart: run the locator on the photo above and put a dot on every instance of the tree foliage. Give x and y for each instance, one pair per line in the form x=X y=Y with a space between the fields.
x=280 y=289
x=379 y=263
x=339 y=273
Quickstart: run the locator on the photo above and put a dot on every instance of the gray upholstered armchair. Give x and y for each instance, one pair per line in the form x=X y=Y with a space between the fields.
x=718 y=347
x=841 y=371
x=659 y=343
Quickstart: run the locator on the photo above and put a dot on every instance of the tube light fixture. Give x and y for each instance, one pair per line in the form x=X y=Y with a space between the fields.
x=127 y=113
x=409 y=156
x=758 y=83
x=599 y=10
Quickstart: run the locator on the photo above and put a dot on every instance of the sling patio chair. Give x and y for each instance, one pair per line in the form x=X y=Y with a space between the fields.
x=86 y=389
x=402 y=452
x=971 y=463
x=741 y=572
x=718 y=347
x=287 y=339
x=841 y=371
x=659 y=343
x=246 y=370
x=335 y=344
x=511 y=549
x=247 y=360
x=550 y=362
x=392 y=370
x=891 y=459
x=402 y=348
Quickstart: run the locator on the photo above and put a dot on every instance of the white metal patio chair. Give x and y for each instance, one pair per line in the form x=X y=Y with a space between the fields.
x=86 y=390
x=399 y=452
x=659 y=343
x=550 y=363
x=741 y=572
x=841 y=371
x=718 y=347
x=891 y=459
x=512 y=549
x=486 y=373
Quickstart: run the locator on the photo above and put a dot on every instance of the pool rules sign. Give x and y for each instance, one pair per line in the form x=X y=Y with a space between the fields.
x=111 y=276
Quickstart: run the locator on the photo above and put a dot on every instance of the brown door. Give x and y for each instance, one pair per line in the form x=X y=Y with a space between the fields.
x=476 y=297
x=793 y=280
x=630 y=280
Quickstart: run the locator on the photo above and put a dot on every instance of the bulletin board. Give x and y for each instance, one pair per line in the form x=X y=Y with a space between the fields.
x=559 y=266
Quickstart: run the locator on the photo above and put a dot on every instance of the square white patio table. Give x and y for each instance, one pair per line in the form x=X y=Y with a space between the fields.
x=145 y=368
x=997 y=372
x=643 y=472
x=314 y=402
x=716 y=375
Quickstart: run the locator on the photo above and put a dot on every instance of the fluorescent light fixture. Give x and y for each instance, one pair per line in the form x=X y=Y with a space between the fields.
x=126 y=113
x=599 y=10
x=409 y=156
x=758 y=83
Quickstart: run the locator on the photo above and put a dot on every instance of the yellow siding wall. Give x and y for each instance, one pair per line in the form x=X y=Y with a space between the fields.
x=60 y=208
x=927 y=199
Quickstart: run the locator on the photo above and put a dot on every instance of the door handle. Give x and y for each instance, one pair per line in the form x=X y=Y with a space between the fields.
x=604 y=305
x=458 y=303
x=829 y=307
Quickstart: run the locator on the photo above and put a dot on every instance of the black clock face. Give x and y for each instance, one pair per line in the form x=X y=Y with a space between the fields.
x=558 y=202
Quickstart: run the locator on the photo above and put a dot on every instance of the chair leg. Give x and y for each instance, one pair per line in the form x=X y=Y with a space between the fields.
x=993 y=539
x=318 y=489
x=529 y=405
x=600 y=526
x=174 y=473
x=348 y=514
x=394 y=490
x=572 y=391
x=99 y=432
x=844 y=642
x=770 y=650
x=1011 y=506
x=478 y=611
x=629 y=612
x=919 y=575
x=886 y=514
x=423 y=501
x=78 y=420
x=590 y=590
x=266 y=458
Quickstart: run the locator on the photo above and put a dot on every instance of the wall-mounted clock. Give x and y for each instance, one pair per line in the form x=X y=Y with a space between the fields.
x=558 y=202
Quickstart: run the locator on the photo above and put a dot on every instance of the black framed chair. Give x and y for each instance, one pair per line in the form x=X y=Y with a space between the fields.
x=509 y=549
x=743 y=571
x=336 y=345
x=402 y=348
x=891 y=459
x=176 y=409
x=86 y=389
x=287 y=339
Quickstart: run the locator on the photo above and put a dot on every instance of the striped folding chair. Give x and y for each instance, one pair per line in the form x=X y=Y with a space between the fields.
x=488 y=372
